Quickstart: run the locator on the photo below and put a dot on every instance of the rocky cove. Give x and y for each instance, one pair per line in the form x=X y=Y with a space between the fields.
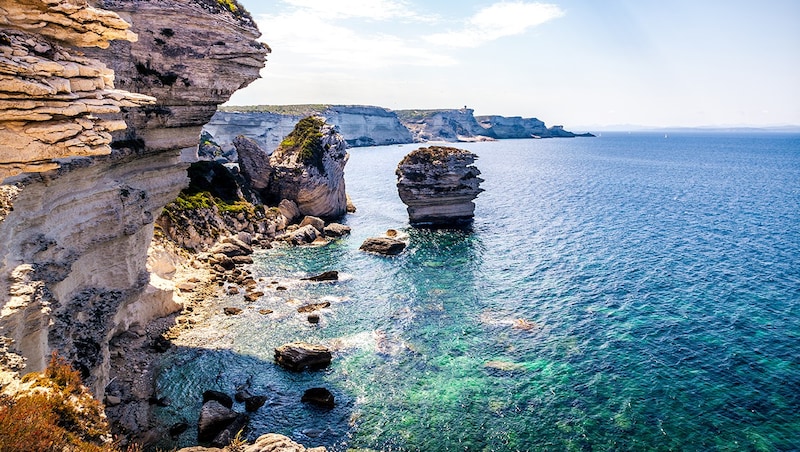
x=101 y=106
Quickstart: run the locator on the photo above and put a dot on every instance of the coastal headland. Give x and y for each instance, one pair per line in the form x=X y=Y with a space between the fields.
x=112 y=237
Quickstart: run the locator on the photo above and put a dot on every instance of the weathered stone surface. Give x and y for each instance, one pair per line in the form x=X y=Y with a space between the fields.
x=298 y=356
x=73 y=250
x=309 y=170
x=318 y=223
x=273 y=442
x=336 y=230
x=53 y=101
x=253 y=162
x=214 y=417
x=444 y=125
x=305 y=235
x=383 y=245
x=232 y=310
x=289 y=210
x=438 y=185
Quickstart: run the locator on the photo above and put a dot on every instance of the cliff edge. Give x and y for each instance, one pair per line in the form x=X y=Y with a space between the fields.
x=74 y=236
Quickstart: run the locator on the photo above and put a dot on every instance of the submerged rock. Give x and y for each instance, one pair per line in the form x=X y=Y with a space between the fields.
x=331 y=275
x=298 y=356
x=383 y=245
x=320 y=397
x=438 y=185
x=313 y=307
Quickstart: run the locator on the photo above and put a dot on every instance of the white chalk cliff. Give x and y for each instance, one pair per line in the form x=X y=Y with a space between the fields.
x=97 y=129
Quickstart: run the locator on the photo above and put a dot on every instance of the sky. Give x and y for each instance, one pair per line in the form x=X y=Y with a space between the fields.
x=578 y=63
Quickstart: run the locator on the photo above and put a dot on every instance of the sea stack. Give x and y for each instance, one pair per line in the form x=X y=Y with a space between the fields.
x=438 y=185
x=308 y=168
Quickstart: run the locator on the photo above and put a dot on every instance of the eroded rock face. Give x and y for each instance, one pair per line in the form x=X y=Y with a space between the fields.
x=54 y=102
x=438 y=185
x=309 y=170
x=74 y=239
x=443 y=125
x=360 y=125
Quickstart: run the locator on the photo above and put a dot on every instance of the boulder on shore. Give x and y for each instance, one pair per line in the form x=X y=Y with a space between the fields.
x=383 y=245
x=438 y=185
x=298 y=356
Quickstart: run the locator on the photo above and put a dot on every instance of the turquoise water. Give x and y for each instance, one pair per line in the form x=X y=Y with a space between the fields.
x=628 y=292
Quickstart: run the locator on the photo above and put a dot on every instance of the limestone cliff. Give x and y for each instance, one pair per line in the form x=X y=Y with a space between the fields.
x=74 y=238
x=438 y=184
x=308 y=168
x=513 y=126
x=444 y=125
x=268 y=125
x=462 y=125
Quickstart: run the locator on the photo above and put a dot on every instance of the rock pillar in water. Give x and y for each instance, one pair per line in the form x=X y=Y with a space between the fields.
x=438 y=184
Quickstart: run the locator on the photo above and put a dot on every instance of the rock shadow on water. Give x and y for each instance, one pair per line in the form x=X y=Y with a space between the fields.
x=184 y=374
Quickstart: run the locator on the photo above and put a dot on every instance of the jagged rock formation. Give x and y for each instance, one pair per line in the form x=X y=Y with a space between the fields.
x=308 y=168
x=359 y=125
x=74 y=240
x=438 y=185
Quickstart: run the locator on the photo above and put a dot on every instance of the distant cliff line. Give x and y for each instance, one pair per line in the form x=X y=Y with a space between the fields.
x=363 y=125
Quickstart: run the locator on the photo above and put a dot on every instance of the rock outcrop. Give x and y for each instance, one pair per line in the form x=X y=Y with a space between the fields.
x=308 y=168
x=298 y=356
x=513 y=127
x=360 y=125
x=386 y=246
x=438 y=185
x=444 y=125
x=53 y=100
x=74 y=239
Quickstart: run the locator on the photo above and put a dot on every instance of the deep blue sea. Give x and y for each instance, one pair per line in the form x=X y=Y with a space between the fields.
x=625 y=292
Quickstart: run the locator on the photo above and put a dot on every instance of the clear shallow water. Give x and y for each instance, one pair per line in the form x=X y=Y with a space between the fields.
x=627 y=292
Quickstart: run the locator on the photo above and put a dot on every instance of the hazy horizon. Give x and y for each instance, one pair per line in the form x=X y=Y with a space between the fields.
x=573 y=63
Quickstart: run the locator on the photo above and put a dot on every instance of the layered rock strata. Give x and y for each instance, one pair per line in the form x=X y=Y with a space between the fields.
x=444 y=125
x=74 y=239
x=308 y=169
x=55 y=102
x=360 y=125
x=439 y=184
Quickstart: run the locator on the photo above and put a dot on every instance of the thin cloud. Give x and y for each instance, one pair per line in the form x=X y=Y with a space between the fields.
x=497 y=21
x=378 y=10
x=306 y=35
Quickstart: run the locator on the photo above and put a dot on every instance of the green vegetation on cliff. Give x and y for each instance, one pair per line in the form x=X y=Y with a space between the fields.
x=288 y=110
x=432 y=154
x=305 y=141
